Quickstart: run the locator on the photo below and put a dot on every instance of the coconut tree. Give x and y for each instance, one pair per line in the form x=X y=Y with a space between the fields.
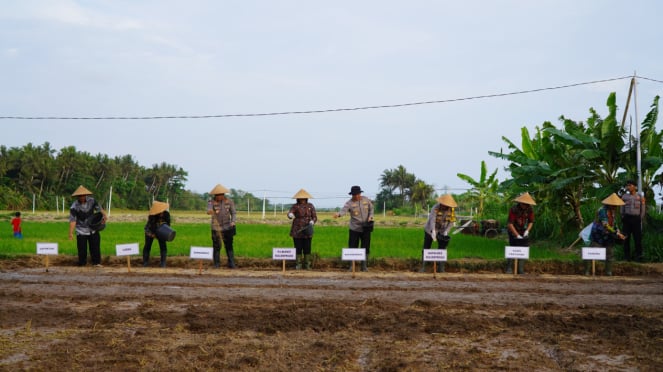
x=483 y=189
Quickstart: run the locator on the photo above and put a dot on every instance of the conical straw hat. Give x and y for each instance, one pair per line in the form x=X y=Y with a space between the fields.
x=447 y=200
x=81 y=191
x=158 y=207
x=525 y=198
x=302 y=194
x=613 y=200
x=219 y=189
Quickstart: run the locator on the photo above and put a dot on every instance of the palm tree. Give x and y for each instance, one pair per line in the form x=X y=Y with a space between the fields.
x=483 y=189
x=421 y=193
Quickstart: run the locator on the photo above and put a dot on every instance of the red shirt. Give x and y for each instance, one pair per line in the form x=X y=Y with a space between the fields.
x=16 y=221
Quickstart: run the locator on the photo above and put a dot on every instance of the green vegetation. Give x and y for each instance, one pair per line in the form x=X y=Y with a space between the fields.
x=257 y=241
x=568 y=169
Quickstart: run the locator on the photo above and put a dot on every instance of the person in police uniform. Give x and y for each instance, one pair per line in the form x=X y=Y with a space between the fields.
x=519 y=224
x=87 y=218
x=303 y=217
x=360 y=209
x=224 y=216
x=157 y=216
x=633 y=213
x=440 y=221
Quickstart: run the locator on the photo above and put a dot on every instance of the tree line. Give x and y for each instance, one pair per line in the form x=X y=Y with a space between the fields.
x=579 y=163
x=564 y=167
x=45 y=174
x=568 y=168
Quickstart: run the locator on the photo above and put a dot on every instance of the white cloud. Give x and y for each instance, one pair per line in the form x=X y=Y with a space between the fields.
x=70 y=13
x=11 y=52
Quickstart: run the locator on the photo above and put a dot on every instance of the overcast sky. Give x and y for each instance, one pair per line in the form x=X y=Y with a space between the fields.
x=67 y=58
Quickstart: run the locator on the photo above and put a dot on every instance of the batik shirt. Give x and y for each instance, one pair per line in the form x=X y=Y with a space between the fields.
x=520 y=218
x=603 y=228
x=81 y=213
x=304 y=214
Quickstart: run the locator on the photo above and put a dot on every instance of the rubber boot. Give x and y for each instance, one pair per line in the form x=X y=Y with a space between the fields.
x=364 y=264
x=423 y=267
x=298 y=266
x=146 y=258
x=163 y=258
x=521 y=266
x=217 y=258
x=509 y=266
x=231 y=258
x=587 y=267
x=440 y=267
x=307 y=262
x=608 y=268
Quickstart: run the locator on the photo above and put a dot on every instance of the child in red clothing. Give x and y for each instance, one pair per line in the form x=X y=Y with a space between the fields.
x=16 y=222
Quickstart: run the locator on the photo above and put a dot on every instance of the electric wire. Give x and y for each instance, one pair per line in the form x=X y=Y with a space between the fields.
x=322 y=111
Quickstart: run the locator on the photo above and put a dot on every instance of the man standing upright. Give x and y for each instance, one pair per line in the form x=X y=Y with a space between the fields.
x=360 y=209
x=223 y=222
x=633 y=213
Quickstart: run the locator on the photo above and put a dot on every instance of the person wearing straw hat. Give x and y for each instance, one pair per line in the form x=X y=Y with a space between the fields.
x=604 y=231
x=303 y=217
x=360 y=209
x=519 y=224
x=86 y=218
x=157 y=216
x=224 y=217
x=440 y=221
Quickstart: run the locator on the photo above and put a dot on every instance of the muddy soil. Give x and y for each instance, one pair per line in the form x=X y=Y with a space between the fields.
x=257 y=318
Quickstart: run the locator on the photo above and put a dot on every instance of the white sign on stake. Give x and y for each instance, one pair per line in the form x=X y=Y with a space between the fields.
x=593 y=253
x=201 y=253
x=47 y=248
x=284 y=254
x=126 y=249
x=353 y=254
x=521 y=253
x=435 y=254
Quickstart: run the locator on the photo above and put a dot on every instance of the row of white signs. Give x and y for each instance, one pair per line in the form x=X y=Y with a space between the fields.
x=348 y=254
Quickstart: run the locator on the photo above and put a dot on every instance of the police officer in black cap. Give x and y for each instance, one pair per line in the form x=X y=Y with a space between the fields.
x=360 y=209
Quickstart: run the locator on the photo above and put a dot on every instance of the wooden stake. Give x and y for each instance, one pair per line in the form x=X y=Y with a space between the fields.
x=46 y=259
x=128 y=264
x=284 y=266
x=515 y=266
x=574 y=243
x=434 y=269
x=593 y=267
x=353 y=268
x=200 y=267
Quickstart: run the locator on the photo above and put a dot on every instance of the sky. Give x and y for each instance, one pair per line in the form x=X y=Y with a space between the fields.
x=126 y=58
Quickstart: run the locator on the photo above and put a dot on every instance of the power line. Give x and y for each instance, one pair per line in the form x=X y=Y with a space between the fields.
x=325 y=110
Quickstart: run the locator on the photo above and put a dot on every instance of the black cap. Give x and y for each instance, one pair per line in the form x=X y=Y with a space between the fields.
x=631 y=182
x=354 y=190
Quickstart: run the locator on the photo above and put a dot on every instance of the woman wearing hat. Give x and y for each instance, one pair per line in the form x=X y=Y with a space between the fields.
x=303 y=217
x=157 y=216
x=224 y=217
x=87 y=218
x=519 y=224
x=604 y=233
x=360 y=209
x=440 y=221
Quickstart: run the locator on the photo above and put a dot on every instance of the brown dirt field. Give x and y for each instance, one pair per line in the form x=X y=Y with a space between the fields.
x=259 y=318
